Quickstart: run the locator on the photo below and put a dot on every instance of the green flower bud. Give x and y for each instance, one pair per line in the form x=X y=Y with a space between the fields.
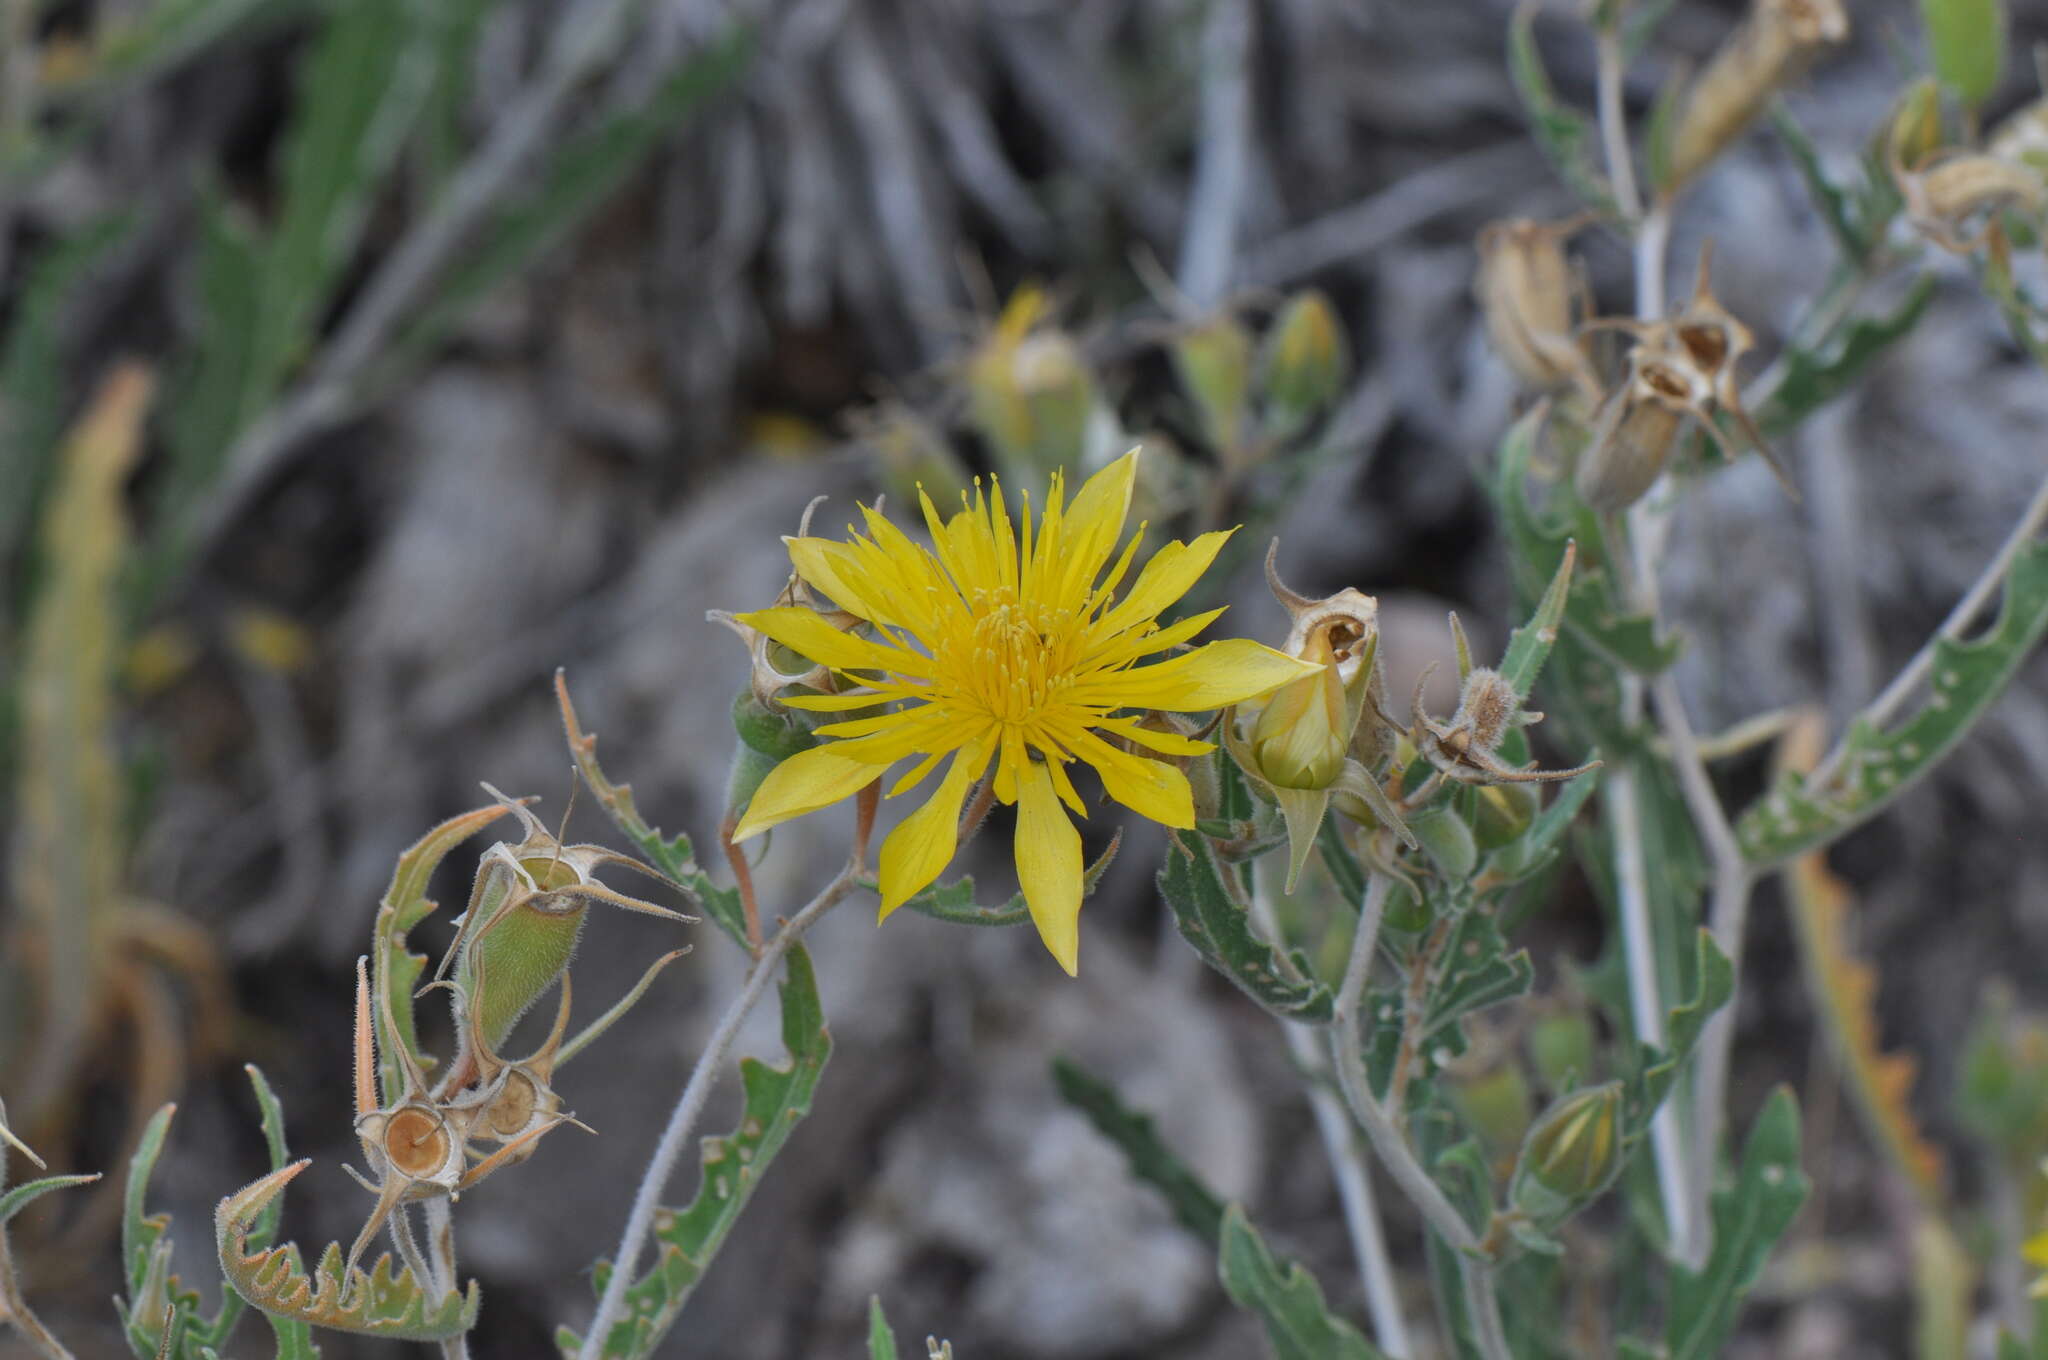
x=1498 y=1105
x=1914 y=132
x=1561 y=1047
x=1505 y=811
x=1302 y=733
x=1214 y=363
x=1303 y=365
x=1030 y=395
x=1571 y=1154
x=771 y=729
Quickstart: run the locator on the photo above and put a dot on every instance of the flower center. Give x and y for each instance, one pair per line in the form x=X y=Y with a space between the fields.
x=1015 y=661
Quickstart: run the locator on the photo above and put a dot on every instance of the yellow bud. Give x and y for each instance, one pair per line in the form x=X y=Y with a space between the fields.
x=1914 y=132
x=1029 y=392
x=1304 y=363
x=1301 y=734
x=1572 y=1152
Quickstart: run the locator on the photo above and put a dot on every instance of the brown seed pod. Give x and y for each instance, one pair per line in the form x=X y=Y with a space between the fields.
x=1527 y=291
x=1956 y=198
x=1769 y=48
x=1634 y=433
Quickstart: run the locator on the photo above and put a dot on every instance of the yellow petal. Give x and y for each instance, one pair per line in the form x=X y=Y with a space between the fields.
x=1218 y=673
x=805 y=782
x=1166 y=743
x=1170 y=574
x=1049 y=865
x=923 y=843
x=836 y=703
x=829 y=567
x=1150 y=788
x=807 y=632
x=1092 y=525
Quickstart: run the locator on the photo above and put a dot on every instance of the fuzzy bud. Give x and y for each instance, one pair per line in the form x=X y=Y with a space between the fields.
x=1571 y=1154
x=1772 y=45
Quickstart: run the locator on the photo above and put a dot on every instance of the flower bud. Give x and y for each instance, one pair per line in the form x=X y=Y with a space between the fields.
x=1571 y=1154
x=1303 y=365
x=1029 y=393
x=1966 y=45
x=1772 y=45
x=1525 y=291
x=1914 y=132
x=1497 y=1104
x=1561 y=1047
x=1302 y=733
x=1505 y=811
x=1213 y=361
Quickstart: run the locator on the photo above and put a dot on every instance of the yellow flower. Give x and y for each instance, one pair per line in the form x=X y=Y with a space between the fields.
x=1007 y=645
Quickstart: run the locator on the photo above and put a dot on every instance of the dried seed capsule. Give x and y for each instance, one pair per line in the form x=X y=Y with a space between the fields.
x=1769 y=48
x=1955 y=201
x=1634 y=435
x=1525 y=290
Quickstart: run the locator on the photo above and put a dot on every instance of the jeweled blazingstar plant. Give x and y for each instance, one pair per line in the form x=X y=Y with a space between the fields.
x=1010 y=648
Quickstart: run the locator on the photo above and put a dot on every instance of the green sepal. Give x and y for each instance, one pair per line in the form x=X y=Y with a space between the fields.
x=1878 y=766
x=1211 y=919
x=776 y=1099
x=881 y=1340
x=1289 y=1302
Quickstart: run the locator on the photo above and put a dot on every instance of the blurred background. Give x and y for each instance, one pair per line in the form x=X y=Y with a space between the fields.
x=483 y=337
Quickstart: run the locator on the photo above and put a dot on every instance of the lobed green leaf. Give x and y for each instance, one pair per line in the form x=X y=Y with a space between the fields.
x=1287 y=1298
x=1211 y=918
x=1879 y=765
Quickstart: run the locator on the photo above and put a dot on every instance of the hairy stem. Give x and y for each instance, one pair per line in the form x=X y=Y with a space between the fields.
x=441 y=1256
x=1387 y=1140
x=710 y=1064
x=1621 y=170
x=1347 y=1162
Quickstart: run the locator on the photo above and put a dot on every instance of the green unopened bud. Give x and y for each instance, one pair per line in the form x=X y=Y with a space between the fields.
x=1497 y=1105
x=1571 y=1154
x=1505 y=812
x=1302 y=733
x=1029 y=393
x=1561 y=1047
x=771 y=729
x=1966 y=44
x=1303 y=365
x=1914 y=132
x=1214 y=364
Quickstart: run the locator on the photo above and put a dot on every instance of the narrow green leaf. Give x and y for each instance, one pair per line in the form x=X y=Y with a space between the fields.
x=1967 y=677
x=1198 y=1208
x=776 y=1098
x=1812 y=378
x=1749 y=1218
x=1211 y=919
x=1529 y=646
x=881 y=1341
x=1568 y=138
x=1288 y=1300
x=580 y=176
x=21 y=1196
x=1657 y=1069
x=1835 y=203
